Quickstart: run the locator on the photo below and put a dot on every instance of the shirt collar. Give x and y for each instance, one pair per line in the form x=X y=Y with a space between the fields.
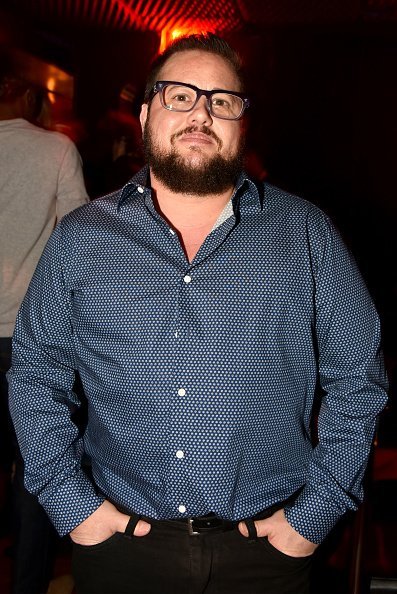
x=138 y=185
x=246 y=198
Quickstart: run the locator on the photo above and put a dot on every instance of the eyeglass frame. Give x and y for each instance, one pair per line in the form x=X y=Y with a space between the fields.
x=160 y=85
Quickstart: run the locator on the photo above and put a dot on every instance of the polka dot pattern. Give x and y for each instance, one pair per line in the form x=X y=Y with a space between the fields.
x=200 y=376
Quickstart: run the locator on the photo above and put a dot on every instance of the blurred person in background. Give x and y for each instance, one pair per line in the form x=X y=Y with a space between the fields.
x=40 y=181
x=205 y=311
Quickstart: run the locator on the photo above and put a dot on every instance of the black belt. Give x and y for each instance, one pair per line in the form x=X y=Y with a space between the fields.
x=211 y=523
x=203 y=524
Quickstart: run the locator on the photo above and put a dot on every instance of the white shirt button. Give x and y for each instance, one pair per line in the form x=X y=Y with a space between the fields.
x=187 y=278
x=181 y=392
x=180 y=454
x=140 y=189
x=182 y=509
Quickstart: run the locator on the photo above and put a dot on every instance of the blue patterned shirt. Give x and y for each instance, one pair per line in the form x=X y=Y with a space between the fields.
x=200 y=377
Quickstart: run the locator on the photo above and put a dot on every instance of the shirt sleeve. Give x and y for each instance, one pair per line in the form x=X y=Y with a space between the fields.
x=42 y=399
x=353 y=383
x=71 y=191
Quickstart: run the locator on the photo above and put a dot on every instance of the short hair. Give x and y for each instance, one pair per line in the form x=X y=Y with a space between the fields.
x=206 y=42
x=12 y=85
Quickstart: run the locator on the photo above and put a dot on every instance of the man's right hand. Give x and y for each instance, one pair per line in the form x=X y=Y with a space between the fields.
x=103 y=523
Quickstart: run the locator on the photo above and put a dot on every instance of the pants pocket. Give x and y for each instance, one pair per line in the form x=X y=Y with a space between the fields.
x=282 y=557
x=100 y=545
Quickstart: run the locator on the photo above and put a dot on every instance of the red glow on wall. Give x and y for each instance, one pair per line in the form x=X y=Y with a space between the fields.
x=169 y=35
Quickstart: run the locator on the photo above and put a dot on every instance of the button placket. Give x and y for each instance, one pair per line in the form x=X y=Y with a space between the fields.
x=180 y=455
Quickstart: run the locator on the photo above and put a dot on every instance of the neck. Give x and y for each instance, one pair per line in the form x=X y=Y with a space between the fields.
x=10 y=110
x=188 y=211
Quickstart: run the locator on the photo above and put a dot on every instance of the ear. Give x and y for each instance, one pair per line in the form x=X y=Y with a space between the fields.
x=29 y=103
x=143 y=115
x=244 y=123
x=28 y=96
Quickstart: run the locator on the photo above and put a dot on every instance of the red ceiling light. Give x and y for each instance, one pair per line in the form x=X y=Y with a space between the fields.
x=169 y=35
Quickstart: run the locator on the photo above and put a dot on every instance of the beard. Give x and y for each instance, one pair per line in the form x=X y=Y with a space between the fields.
x=211 y=175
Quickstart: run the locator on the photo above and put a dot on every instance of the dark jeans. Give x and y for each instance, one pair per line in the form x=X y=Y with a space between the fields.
x=33 y=534
x=35 y=539
x=171 y=561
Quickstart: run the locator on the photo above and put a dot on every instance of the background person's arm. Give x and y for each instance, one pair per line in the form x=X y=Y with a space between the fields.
x=71 y=191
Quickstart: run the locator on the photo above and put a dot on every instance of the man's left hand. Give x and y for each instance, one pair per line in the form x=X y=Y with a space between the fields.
x=281 y=535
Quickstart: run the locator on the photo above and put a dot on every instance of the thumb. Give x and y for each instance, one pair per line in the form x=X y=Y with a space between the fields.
x=141 y=529
x=260 y=525
x=243 y=528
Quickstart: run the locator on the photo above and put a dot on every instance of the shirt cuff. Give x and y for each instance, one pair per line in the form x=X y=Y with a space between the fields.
x=312 y=516
x=72 y=503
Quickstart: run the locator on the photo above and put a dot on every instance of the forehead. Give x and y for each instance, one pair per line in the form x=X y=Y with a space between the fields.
x=200 y=68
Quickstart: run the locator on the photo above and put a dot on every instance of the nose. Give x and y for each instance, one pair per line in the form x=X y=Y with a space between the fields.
x=200 y=113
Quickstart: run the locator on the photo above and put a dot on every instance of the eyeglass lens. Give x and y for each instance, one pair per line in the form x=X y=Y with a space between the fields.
x=223 y=105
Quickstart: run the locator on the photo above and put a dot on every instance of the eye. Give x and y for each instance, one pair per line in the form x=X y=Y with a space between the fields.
x=218 y=102
x=180 y=97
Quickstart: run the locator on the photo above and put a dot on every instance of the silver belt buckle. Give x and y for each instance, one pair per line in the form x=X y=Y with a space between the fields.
x=190 y=527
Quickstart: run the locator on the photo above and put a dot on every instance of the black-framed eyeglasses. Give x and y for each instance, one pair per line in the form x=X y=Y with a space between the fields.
x=177 y=96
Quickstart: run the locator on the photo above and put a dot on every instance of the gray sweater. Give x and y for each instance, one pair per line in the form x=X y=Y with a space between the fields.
x=41 y=180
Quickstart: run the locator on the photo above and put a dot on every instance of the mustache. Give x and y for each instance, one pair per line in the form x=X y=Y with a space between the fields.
x=202 y=130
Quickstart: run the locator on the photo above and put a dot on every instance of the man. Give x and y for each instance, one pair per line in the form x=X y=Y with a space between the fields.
x=202 y=311
x=40 y=181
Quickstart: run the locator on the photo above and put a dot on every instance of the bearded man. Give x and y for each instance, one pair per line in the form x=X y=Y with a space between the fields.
x=202 y=311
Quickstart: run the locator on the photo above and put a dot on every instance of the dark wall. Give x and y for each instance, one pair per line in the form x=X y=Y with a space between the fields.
x=324 y=121
x=104 y=62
